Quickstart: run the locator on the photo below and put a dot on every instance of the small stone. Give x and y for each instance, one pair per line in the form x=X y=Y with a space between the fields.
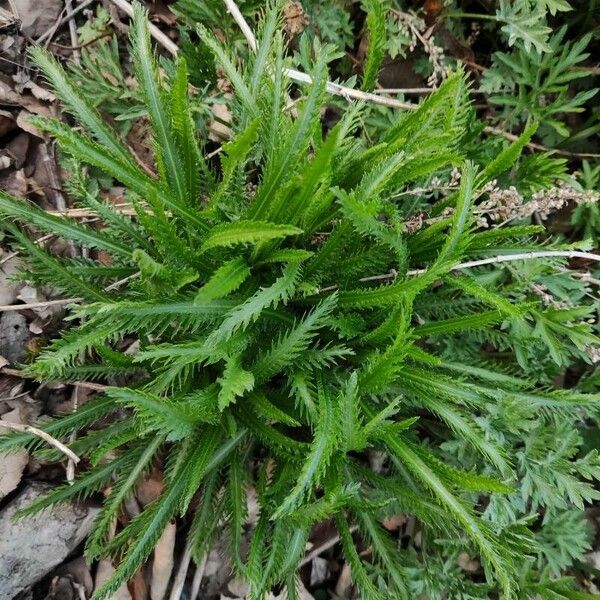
x=31 y=547
x=238 y=587
x=9 y=288
x=14 y=334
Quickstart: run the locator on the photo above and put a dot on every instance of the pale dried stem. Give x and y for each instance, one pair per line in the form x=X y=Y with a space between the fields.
x=62 y=301
x=238 y=17
x=21 y=428
x=168 y=44
x=332 y=88
x=44 y=304
x=484 y=261
x=71 y=463
x=14 y=9
x=64 y=20
x=163 y=562
x=323 y=547
x=118 y=284
x=524 y=256
x=416 y=91
x=585 y=277
x=512 y=257
x=41 y=240
x=198 y=575
x=73 y=32
x=179 y=581
x=84 y=213
x=96 y=387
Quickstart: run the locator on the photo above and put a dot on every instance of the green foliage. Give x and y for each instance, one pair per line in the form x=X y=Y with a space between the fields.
x=524 y=22
x=377 y=42
x=586 y=216
x=289 y=328
x=331 y=21
x=101 y=75
x=535 y=86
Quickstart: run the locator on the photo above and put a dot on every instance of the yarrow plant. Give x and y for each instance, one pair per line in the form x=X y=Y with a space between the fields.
x=274 y=355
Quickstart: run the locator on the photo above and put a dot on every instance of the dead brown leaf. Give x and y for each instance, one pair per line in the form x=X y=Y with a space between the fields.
x=7 y=122
x=62 y=588
x=238 y=587
x=9 y=288
x=12 y=465
x=78 y=571
x=23 y=121
x=302 y=593
x=214 y=562
x=466 y=563
x=36 y=16
x=14 y=182
x=151 y=488
x=23 y=82
x=344 y=582
x=162 y=13
x=162 y=566
x=319 y=571
x=137 y=586
x=433 y=8
x=17 y=149
x=294 y=19
x=29 y=295
x=218 y=128
x=104 y=572
x=395 y=522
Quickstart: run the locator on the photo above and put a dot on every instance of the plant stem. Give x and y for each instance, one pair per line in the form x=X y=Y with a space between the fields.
x=469 y=15
x=484 y=261
x=21 y=428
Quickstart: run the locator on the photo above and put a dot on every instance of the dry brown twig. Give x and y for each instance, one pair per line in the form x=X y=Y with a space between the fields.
x=21 y=428
x=484 y=261
x=62 y=20
x=63 y=301
x=84 y=213
x=167 y=43
x=180 y=576
x=73 y=436
x=198 y=575
x=95 y=387
x=40 y=240
x=323 y=547
x=73 y=31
